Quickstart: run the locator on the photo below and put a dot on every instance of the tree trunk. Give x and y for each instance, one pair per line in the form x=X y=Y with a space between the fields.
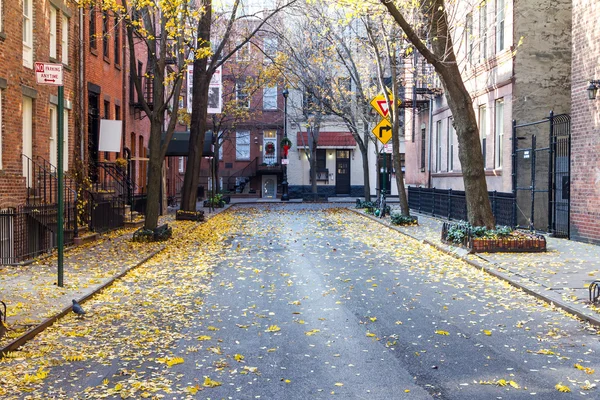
x=154 y=175
x=364 y=151
x=200 y=84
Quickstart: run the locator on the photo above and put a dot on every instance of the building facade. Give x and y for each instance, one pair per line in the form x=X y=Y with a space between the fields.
x=515 y=58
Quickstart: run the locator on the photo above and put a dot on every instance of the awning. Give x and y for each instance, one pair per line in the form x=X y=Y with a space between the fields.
x=328 y=139
x=180 y=143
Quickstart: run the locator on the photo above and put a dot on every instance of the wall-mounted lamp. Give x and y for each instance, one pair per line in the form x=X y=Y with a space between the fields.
x=593 y=89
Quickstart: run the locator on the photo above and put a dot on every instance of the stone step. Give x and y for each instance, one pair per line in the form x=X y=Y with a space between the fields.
x=135 y=224
x=85 y=238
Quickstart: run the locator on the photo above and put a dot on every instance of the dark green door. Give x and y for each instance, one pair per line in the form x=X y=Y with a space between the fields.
x=342 y=172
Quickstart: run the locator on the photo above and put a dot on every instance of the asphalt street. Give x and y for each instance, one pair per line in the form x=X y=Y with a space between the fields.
x=308 y=302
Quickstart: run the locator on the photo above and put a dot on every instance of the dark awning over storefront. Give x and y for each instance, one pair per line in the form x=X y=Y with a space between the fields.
x=180 y=143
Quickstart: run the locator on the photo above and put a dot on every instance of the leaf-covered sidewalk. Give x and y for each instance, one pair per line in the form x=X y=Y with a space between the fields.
x=561 y=275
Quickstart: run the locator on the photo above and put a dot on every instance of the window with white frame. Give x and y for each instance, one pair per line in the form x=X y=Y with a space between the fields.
x=242 y=145
x=221 y=143
x=483 y=30
x=270 y=49
x=451 y=133
x=270 y=98
x=499 y=131
x=65 y=140
x=483 y=131
x=52 y=36
x=499 y=25
x=65 y=39
x=438 y=146
x=28 y=33
x=241 y=94
x=180 y=165
x=53 y=121
x=469 y=37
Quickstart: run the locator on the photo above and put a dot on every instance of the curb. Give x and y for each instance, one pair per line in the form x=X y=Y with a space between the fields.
x=30 y=334
x=591 y=319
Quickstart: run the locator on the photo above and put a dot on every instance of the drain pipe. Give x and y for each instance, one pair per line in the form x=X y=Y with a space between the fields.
x=429 y=134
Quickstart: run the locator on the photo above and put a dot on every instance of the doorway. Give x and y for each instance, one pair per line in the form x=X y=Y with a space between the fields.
x=269 y=187
x=342 y=173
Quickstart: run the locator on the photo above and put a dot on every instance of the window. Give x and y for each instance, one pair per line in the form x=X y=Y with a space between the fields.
x=242 y=145
x=180 y=166
x=270 y=49
x=93 y=40
x=423 y=144
x=105 y=20
x=451 y=133
x=499 y=25
x=117 y=112
x=242 y=95
x=53 y=120
x=117 y=42
x=321 y=159
x=469 y=37
x=27 y=138
x=438 y=146
x=499 y=131
x=28 y=33
x=65 y=140
x=483 y=130
x=52 y=38
x=243 y=53
x=482 y=30
x=270 y=98
x=64 y=43
x=1 y=20
x=106 y=109
x=221 y=144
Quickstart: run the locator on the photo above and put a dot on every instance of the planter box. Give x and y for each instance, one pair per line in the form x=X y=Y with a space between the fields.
x=160 y=234
x=197 y=216
x=517 y=242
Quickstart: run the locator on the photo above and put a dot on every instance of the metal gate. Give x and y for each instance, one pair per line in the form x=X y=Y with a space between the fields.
x=541 y=162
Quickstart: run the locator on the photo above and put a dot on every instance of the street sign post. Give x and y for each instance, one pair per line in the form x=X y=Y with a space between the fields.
x=52 y=74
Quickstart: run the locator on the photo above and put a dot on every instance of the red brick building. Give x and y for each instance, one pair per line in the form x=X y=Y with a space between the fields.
x=34 y=31
x=585 y=123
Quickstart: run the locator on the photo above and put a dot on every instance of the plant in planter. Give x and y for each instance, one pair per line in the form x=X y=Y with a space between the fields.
x=217 y=201
x=500 y=239
x=121 y=163
x=403 y=220
x=160 y=234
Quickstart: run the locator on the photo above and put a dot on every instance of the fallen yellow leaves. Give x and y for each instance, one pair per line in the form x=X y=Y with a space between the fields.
x=273 y=328
x=72 y=358
x=562 y=388
x=488 y=333
x=40 y=375
x=170 y=361
x=204 y=337
x=501 y=383
x=312 y=332
x=210 y=383
x=238 y=357
x=443 y=333
x=587 y=370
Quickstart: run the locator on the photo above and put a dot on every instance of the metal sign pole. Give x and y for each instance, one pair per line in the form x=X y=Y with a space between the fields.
x=61 y=205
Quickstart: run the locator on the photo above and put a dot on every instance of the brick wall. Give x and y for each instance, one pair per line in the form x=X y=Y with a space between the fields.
x=17 y=81
x=585 y=119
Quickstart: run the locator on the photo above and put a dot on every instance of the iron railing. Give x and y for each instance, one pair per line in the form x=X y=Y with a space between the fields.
x=452 y=205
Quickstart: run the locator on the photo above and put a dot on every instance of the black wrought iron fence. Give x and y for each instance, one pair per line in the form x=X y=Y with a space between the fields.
x=28 y=231
x=451 y=204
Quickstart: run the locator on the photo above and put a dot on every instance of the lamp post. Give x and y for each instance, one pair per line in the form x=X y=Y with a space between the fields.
x=284 y=184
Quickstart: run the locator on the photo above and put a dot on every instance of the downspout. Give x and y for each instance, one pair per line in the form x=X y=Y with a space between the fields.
x=81 y=86
x=430 y=132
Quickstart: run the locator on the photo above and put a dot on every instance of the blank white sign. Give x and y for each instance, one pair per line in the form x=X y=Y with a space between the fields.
x=110 y=135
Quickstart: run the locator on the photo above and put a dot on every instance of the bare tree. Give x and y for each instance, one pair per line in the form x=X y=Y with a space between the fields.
x=433 y=40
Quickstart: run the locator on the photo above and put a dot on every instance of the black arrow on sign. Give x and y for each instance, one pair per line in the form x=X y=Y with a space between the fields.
x=383 y=129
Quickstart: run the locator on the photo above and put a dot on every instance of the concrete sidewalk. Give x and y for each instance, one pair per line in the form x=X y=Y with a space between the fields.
x=559 y=276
